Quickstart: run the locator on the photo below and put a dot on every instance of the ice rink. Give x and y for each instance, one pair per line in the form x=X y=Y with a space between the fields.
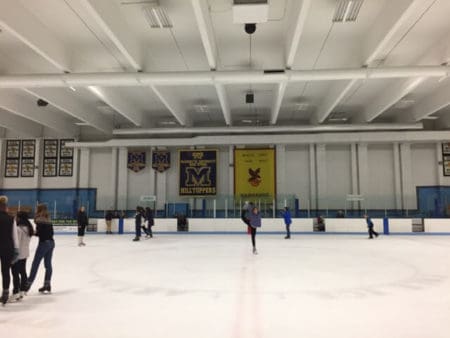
x=213 y=286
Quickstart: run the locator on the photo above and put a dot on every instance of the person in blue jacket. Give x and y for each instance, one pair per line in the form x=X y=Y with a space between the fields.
x=287 y=221
x=370 y=227
x=255 y=222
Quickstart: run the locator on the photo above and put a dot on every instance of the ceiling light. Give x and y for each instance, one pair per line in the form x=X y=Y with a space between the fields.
x=246 y=121
x=347 y=10
x=156 y=16
x=302 y=106
x=73 y=88
x=430 y=118
x=338 y=119
x=167 y=123
x=201 y=108
x=403 y=104
x=82 y=124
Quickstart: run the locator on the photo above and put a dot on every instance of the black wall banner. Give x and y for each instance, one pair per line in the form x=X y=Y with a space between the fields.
x=198 y=172
x=136 y=160
x=12 y=158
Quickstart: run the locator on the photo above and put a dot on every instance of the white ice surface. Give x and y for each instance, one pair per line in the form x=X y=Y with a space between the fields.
x=212 y=286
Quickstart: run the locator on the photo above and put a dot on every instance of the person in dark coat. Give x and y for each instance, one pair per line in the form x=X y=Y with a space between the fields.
x=9 y=246
x=150 y=221
x=108 y=218
x=245 y=214
x=287 y=221
x=44 y=250
x=255 y=223
x=138 y=223
x=83 y=222
x=370 y=227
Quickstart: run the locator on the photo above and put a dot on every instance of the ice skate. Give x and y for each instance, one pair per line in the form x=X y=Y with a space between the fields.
x=254 y=251
x=45 y=289
x=287 y=237
x=4 y=298
x=15 y=297
x=135 y=239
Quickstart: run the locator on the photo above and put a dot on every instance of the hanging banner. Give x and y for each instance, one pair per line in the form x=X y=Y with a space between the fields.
x=254 y=173
x=136 y=160
x=161 y=160
x=198 y=172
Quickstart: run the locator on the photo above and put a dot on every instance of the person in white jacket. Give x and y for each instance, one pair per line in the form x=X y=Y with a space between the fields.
x=9 y=248
x=24 y=233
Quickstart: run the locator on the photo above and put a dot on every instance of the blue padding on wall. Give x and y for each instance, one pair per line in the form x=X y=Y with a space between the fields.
x=386 y=226
x=432 y=201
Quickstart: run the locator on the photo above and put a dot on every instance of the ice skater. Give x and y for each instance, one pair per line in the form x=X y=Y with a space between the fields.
x=9 y=248
x=287 y=221
x=149 y=220
x=83 y=222
x=255 y=222
x=108 y=218
x=370 y=227
x=138 y=223
x=24 y=232
x=44 y=250
x=245 y=214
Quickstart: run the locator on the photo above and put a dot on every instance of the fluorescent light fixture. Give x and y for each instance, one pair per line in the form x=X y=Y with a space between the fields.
x=302 y=106
x=167 y=123
x=246 y=121
x=430 y=117
x=347 y=10
x=82 y=124
x=73 y=88
x=338 y=119
x=403 y=104
x=156 y=16
x=201 y=108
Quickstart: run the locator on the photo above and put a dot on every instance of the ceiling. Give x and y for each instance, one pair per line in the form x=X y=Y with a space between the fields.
x=47 y=39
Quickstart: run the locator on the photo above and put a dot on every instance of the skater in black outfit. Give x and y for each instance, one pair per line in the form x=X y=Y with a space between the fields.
x=138 y=223
x=150 y=221
x=245 y=214
x=9 y=248
x=44 y=250
x=370 y=227
x=83 y=222
x=24 y=232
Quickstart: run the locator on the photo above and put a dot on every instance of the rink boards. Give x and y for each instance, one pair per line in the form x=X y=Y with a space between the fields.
x=332 y=225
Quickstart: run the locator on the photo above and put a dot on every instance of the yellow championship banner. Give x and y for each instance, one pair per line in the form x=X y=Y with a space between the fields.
x=254 y=173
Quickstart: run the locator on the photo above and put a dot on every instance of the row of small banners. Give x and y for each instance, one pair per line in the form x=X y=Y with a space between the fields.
x=446 y=158
x=254 y=171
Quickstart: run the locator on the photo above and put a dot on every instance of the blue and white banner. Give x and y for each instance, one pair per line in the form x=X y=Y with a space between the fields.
x=198 y=172
x=161 y=160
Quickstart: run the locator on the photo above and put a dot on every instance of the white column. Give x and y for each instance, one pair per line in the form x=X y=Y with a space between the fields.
x=354 y=175
x=161 y=189
x=231 y=170
x=439 y=164
x=84 y=168
x=122 y=179
x=281 y=170
x=37 y=160
x=397 y=177
x=406 y=178
x=2 y=161
x=312 y=179
x=321 y=172
x=151 y=178
x=113 y=191
x=75 y=168
x=363 y=170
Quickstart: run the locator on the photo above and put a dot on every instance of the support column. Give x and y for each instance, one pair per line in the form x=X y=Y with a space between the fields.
x=397 y=178
x=363 y=174
x=75 y=169
x=84 y=168
x=312 y=178
x=439 y=164
x=231 y=171
x=37 y=158
x=321 y=172
x=122 y=179
x=2 y=161
x=113 y=191
x=161 y=190
x=406 y=176
x=354 y=173
x=281 y=171
x=152 y=177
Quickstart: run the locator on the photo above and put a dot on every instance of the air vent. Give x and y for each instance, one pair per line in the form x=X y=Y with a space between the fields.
x=157 y=17
x=347 y=10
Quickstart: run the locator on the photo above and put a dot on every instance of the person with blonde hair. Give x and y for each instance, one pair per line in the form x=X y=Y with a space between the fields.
x=44 y=250
x=9 y=247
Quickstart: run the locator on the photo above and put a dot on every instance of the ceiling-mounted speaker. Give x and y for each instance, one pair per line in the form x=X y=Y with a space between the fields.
x=249 y=98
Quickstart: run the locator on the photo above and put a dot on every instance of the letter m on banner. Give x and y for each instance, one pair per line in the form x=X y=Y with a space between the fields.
x=198 y=177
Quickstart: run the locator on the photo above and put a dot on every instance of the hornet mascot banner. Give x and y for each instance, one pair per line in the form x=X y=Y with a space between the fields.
x=254 y=173
x=198 y=172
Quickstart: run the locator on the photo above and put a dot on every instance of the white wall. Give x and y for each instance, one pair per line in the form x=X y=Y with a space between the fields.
x=381 y=177
x=338 y=166
x=297 y=172
x=140 y=183
x=100 y=176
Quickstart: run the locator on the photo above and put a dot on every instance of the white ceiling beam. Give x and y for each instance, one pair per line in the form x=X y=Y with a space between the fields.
x=108 y=17
x=398 y=17
x=293 y=36
x=175 y=109
x=223 y=99
x=20 y=125
x=187 y=78
x=113 y=98
x=72 y=106
x=204 y=25
x=207 y=35
x=19 y=22
x=433 y=103
x=278 y=100
x=390 y=96
x=10 y=101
